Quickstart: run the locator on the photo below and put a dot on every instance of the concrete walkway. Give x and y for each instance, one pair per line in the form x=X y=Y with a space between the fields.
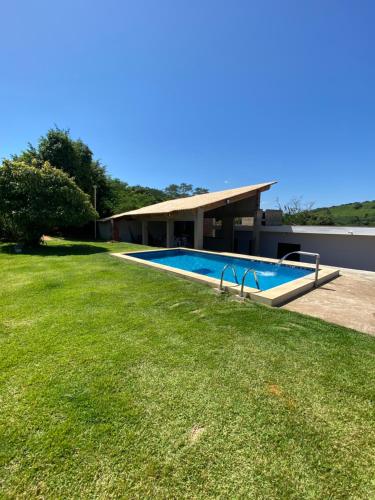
x=348 y=300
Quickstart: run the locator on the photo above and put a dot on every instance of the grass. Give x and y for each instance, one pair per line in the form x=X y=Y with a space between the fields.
x=122 y=381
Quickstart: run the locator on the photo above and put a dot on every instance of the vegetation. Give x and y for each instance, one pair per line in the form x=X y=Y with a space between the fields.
x=350 y=214
x=75 y=158
x=125 y=197
x=183 y=190
x=35 y=200
x=119 y=381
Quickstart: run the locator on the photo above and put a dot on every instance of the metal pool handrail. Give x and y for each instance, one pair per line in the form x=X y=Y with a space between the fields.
x=222 y=274
x=249 y=270
x=311 y=254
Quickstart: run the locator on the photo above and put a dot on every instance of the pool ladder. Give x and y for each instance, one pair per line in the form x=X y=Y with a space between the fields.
x=310 y=254
x=248 y=270
x=241 y=295
x=233 y=269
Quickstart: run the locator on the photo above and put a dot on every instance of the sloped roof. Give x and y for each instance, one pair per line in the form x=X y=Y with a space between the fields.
x=194 y=202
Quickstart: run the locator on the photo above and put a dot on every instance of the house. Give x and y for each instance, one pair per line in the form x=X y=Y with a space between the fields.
x=201 y=221
x=232 y=221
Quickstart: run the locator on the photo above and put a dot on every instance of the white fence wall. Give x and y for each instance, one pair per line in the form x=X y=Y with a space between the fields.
x=357 y=252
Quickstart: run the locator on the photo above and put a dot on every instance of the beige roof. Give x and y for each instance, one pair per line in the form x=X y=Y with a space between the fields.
x=194 y=202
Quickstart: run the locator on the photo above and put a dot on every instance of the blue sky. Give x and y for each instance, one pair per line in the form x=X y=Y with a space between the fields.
x=216 y=93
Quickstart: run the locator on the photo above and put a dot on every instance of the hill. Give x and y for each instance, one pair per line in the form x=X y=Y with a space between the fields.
x=350 y=214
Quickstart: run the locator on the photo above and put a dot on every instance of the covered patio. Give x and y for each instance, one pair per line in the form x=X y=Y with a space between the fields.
x=203 y=221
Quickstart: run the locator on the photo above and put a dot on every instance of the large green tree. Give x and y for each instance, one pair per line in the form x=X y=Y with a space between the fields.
x=36 y=199
x=76 y=159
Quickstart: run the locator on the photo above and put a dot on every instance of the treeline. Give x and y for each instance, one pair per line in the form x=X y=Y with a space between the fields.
x=350 y=214
x=52 y=185
x=125 y=197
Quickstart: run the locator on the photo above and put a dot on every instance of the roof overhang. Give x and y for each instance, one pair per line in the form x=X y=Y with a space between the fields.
x=190 y=205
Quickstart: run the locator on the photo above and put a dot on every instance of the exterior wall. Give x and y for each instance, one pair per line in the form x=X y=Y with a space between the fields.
x=105 y=230
x=243 y=239
x=242 y=208
x=130 y=231
x=357 y=252
x=273 y=217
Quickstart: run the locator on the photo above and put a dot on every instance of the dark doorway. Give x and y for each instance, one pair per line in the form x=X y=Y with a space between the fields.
x=157 y=234
x=284 y=248
x=184 y=233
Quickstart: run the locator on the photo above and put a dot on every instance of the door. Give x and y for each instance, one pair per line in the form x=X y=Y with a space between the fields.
x=284 y=248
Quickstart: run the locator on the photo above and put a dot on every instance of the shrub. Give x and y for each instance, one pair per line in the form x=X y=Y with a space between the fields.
x=35 y=200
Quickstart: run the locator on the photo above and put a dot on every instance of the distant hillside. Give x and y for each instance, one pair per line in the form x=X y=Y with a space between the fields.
x=350 y=214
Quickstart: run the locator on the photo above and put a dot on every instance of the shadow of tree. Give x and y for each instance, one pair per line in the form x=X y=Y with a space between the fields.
x=55 y=250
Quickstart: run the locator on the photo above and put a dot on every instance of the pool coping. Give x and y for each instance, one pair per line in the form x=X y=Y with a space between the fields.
x=275 y=296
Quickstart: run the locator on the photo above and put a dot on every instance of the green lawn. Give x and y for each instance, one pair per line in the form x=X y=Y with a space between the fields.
x=122 y=381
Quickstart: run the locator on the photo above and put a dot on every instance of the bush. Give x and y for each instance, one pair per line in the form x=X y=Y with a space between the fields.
x=34 y=200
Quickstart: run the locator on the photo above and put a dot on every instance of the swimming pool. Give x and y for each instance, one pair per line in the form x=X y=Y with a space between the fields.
x=269 y=274
x=278 y=283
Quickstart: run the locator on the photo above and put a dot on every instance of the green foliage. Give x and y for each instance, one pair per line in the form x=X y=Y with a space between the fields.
x=183 y=190
x=76 y=159
x=35 y=200
x=125 y=197
x=295 y=212
x=350 y=214
x=306 y=218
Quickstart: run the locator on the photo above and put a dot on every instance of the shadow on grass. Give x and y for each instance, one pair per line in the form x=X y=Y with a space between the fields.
x=54 y=250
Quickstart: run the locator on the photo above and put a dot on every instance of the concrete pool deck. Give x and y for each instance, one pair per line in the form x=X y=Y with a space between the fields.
x=348 y=300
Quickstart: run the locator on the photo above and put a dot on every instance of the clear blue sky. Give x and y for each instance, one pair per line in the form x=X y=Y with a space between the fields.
x=215 y=93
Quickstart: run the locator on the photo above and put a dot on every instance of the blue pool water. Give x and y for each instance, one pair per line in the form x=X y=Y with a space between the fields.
x=269 y=274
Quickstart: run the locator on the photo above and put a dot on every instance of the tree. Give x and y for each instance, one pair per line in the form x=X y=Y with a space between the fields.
x=76 y=159
x=200 y=190
x=182 y=190
x=296 y=212
x=35 y=199
x=325 y=218
x=125 y=197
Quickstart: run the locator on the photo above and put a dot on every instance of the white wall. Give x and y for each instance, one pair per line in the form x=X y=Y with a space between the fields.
x=357 y=252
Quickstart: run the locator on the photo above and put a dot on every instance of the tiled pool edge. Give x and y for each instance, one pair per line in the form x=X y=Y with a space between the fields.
x=276 y=296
